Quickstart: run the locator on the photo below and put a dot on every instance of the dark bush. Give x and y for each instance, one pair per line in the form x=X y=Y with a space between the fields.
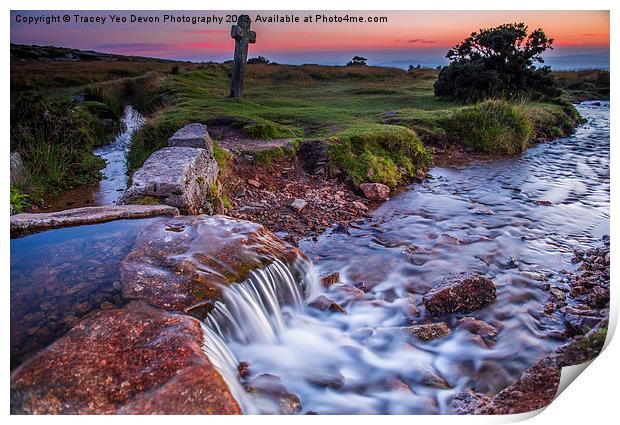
x=357 y=61
x=498 y=62
x=259 y=59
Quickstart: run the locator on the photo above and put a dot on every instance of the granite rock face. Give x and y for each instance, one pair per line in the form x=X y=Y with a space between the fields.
x=375 y=191
x=177 y=176
x=459 y=293
x=134 y=360
x=192 y=136
x=179 y=264
x=22 y=224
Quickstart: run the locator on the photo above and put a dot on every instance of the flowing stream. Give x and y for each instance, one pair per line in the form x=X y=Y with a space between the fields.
x=516 y=220
x=114 y=182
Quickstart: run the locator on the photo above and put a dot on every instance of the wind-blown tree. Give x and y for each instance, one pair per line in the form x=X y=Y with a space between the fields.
x=498 y=62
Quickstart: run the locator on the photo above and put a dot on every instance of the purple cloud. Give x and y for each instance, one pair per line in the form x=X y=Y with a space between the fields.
x=421 y=40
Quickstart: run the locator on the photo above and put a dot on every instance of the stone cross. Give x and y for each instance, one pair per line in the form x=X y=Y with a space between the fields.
x=243 y=36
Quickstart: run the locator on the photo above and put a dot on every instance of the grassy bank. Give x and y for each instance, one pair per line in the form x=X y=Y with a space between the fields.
x=61 y=110
x=379 y=122
x=341 y=103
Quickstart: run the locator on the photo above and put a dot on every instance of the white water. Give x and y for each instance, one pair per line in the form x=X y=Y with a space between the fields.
x=260 y=303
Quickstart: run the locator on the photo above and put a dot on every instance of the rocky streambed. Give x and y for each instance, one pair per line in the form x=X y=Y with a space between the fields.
x=464 y=294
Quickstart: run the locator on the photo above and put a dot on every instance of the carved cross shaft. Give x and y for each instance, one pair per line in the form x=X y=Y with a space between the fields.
x=243 y=36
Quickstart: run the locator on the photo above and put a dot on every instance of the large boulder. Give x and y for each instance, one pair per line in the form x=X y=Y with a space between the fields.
x=192 y=136
x=135 y=360
x=181 y=263
x=26 y=223
x=178 y=176
x=375 y=191
x=459 y=293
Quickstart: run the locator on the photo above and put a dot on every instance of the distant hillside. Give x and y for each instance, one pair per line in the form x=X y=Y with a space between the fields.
x=53 y=53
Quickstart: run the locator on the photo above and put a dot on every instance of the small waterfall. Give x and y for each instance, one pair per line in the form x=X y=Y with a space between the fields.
x=254 y=311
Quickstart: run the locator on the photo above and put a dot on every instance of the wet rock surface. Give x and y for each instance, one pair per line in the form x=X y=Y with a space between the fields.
x=269 y=388
x=428 y=332
x=538 y=386
x=176 y=264
x=177 y=176
x=27 y=223
x=323 y=303
x=134 y=360
x=585 y=317
x=460 y=293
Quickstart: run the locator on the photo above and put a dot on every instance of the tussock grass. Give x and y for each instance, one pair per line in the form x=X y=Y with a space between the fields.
x=493 y=126
x=56 y=142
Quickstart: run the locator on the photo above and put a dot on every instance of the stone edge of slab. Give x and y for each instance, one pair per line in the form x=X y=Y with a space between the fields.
x=29 y=223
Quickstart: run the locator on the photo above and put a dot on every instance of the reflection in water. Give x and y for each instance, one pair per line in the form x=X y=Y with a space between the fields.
x=484 y=216
x=108 y=190
x=59 y=276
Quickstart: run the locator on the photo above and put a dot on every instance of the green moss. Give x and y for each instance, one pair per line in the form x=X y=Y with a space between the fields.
x=218 y=198
x=378 y=153
x=493 y=127
x=222 y=156
x=272 y=155
x=147 y=200
x=264 y=129
x=596 y=341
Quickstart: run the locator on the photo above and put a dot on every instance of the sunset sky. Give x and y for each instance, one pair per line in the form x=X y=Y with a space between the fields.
x=581 y=37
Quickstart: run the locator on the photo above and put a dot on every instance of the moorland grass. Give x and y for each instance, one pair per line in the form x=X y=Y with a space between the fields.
x=345 y=105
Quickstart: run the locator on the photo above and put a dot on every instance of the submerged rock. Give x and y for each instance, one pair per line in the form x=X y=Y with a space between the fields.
x=134 y=360
x=537 y=386
x=468 y=401
x=323 y=303
x=178 y=270
x=178 y=176
x=22 y=224
x=459 y=293
x=192 y=136
x=375 y=191
x=269 y=388
x=478 y=327
x=428 y=332
x=330 y=279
